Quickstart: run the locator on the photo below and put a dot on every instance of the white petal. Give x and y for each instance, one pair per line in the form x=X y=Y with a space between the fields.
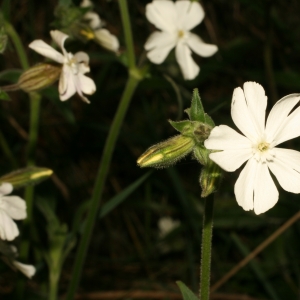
x=86 y=3
x=59 y=38
x=225 y=138
x=286 y=168
x=66 y=86
x=243 y=117
x=277 y=118
x=187 y=65
x=199 y=47
x=244 y=185
x=162 y=14
x=8 y=228
x=85 y=85
x=289 y=129
x=257 y=103
x=27 y=270
x=44 y=49
x=230 y=160
x=6 y=188
x=82 y=57
x=265 y=192
x=160 y=44
x=93 y=18
x=14 y=206
x=107 y=40
x=189 y=14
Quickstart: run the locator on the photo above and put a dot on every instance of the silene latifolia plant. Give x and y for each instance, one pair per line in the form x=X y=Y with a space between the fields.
x=220 y=147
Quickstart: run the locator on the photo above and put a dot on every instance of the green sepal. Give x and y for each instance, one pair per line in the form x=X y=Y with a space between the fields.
x=188 y=111
x=4 y=96
x=209 y=121
x=26 y=176
x=197 y=112
x=186 y=293
x=182 y=126
x=200 y=153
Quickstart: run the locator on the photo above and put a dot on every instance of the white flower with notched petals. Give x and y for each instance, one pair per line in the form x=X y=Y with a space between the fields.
x=27 y=270
x=72 y=78
x=255 y=188
x=175 y=20
x=11 y=208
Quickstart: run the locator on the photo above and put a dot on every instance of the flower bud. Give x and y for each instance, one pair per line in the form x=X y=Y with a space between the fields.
x=39 y=77
x=210 y=178
x=26 y=176
x=166 y=153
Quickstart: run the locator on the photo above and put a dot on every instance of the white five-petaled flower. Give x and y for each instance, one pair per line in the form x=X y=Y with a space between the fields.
x=175 y=20
x=11 y=208
x=255 y=188
x=72 y=78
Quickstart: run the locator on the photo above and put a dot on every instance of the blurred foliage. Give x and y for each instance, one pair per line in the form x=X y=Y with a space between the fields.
x=258 y=41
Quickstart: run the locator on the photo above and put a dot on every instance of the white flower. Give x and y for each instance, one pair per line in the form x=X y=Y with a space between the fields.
x=11 y=208
x=102 y=36
x=255 y=188
x=175 y=20
x=27 y=270
x=166 y=225
x=72 y=78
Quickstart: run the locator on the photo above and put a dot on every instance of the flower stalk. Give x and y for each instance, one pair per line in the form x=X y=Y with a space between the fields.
x=206 y=248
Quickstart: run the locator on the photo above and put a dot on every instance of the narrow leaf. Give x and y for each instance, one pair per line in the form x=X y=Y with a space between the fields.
x=197 y=111
x=187 y=294
x=118 y=199
x=4 y=96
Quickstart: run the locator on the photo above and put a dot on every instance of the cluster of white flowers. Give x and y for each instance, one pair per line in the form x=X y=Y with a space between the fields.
x=255 y=188
x=11 y=208
x=102 y=35
x=175 y=20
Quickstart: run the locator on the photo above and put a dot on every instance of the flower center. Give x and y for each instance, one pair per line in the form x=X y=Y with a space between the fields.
x=263 y=152
x=262 y=147
x=180 y=33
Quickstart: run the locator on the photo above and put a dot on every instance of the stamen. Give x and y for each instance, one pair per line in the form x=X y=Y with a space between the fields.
x=263 y=146
x=180 y=33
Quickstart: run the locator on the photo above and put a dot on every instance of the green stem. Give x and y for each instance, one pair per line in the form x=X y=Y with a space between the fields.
x=53 y=284
x=127 y=33
x=18 y=45
x=134 y=77
x=99 y=183
x=6 y=151
x=206 y=248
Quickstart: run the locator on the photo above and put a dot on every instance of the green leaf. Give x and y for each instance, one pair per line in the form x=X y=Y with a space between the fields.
x=4 y=96
x=118 y=199
x=197 y=111
x=187 y=294
x=182 y=126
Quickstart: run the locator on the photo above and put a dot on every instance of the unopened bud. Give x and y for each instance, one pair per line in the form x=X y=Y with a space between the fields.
x=210 y=178
x=166 y=153
x=27 y=176
x=39 y=77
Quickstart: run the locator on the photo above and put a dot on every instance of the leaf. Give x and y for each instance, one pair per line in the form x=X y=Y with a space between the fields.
x=4 y=96
x=118 y=199
x=197 y=111
x=187 y=294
